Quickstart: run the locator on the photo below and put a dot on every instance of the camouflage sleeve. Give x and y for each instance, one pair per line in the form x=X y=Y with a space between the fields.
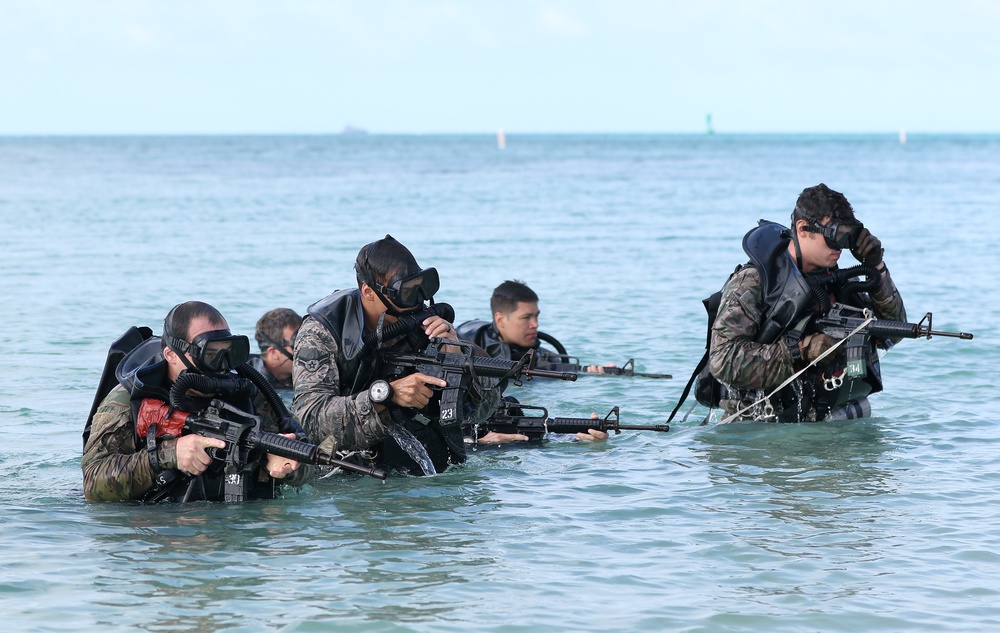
x=114 y=467
x=887 y=301
x=334 y=421
x=734 y=357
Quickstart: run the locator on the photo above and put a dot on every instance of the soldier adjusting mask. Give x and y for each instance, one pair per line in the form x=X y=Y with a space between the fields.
x=838 y=235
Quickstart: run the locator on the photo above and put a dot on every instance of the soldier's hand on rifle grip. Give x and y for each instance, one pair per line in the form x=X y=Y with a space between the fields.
x=868 y=249
x=412 y=391
x=281 y=467
x=192 y=458
x=814 y=345
x=592 y=435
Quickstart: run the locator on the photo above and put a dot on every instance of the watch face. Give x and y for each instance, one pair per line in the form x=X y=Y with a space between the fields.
x=379 y=391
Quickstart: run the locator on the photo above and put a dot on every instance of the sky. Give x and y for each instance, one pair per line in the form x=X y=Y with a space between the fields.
x=470 y=66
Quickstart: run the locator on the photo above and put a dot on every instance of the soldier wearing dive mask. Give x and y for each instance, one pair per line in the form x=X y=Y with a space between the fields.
x=127 y=454
x=340 y=397
x=763 y=332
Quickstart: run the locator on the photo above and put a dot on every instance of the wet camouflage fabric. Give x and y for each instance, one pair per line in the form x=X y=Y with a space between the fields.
x=345 y=421
x=736 y=359
x=333 y=420
x=116 y=464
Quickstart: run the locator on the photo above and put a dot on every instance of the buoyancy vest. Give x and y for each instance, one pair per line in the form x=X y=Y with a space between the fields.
x=357 y=365
x=342 y=315
x=786 y=293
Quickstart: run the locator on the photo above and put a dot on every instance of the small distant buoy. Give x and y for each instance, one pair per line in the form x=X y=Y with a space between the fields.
x=902 y=136
x=708 y=124
x=501 y=139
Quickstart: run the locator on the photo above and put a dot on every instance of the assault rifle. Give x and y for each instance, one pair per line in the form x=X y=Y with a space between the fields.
x=511 y=418
x=564 y=362
x=460 y=370
x=561 y=361
x=842 y=320
x=245 y=443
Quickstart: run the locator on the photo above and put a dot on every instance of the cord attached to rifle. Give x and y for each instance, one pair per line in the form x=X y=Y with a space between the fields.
x=768 y=408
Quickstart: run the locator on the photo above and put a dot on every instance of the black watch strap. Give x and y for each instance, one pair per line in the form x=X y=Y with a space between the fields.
x=152 y=449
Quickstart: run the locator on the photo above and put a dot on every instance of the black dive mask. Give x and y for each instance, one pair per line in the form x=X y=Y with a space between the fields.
x=838 y=236
x=213 y=352
x=410 y=291
x=406 y=292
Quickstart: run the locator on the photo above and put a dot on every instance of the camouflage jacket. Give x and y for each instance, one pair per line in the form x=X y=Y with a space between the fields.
x=116 y=464
x=334 y=420
x=736 y=359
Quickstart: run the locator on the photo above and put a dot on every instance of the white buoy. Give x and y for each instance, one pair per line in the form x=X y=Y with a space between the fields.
x=501 y=139
x=902 y=136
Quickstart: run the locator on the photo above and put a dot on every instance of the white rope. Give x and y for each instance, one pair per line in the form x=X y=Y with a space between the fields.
x=767 y=399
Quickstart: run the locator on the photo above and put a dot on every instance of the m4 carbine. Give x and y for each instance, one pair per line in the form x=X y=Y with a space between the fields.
x=459 y=369
x=246 y=443
x=846 y=322
x=512 y=418
x=564 y=362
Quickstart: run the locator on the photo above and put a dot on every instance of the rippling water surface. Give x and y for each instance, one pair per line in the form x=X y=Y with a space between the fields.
x=886 y=524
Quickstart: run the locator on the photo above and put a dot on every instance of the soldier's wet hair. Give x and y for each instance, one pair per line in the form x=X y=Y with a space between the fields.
x=271 y=327
x=382 y=260
x=507 y=295
x=816 y=203
x=178 y=321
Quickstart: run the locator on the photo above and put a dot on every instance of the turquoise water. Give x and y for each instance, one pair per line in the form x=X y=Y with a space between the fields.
x=886 y=524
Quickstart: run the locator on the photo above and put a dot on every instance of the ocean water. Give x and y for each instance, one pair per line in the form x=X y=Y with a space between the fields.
x=885 y=524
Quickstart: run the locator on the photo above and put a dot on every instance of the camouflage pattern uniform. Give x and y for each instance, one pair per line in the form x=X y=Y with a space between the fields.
x=334 y=420
x=116 y=464
x=735 y=359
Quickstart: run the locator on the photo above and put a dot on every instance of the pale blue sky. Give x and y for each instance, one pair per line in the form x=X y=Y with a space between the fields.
x=256 y=66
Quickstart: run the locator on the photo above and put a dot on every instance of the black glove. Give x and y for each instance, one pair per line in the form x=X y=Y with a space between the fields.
x=867 y=249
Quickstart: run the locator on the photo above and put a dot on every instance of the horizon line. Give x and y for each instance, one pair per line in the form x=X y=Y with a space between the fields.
x=364 y=133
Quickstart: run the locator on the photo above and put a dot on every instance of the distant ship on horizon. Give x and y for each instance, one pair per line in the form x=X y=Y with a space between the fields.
x=353 y=130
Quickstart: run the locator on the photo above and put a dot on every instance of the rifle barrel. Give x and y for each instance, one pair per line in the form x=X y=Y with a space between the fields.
x=546 y=373
x=962 y=335
x=307 y=453
x=638 y=427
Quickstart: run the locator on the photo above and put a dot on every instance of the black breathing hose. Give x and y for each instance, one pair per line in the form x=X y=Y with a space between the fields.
x=214 y=386
x=286 y=423
x=408 y=323
x=843 y=286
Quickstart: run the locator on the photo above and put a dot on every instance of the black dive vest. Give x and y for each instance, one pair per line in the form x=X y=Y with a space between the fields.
x=789 y=300
x=143 y=373
x=786 y=293
x=342 y=315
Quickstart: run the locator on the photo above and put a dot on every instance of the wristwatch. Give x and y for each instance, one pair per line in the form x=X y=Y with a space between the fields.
x=380 y=391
